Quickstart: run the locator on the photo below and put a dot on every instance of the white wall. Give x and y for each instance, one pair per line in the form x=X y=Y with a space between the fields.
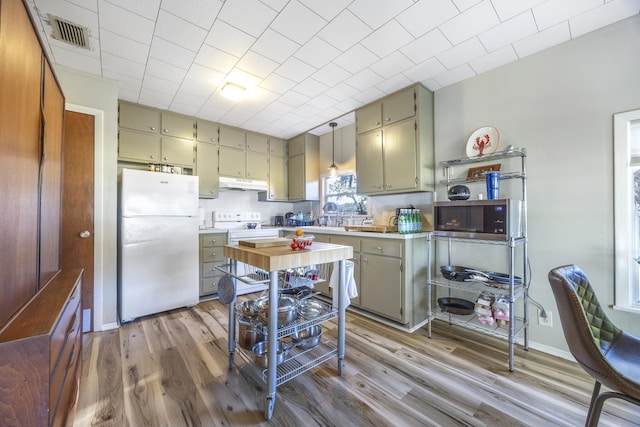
x=558 y=104
x=81 y=89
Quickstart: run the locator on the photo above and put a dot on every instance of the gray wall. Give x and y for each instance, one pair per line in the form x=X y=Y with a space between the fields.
x=558 y=104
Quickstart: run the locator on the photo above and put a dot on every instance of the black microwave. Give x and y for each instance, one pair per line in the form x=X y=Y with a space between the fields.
x=499 y=219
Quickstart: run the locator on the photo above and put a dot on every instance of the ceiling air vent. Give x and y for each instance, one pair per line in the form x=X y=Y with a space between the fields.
x=69 y=32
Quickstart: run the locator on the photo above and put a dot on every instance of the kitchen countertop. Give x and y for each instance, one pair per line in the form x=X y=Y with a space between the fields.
x=212 y=230
x=342 y=231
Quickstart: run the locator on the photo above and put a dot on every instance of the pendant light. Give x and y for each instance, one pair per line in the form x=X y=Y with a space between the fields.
x=333 y=168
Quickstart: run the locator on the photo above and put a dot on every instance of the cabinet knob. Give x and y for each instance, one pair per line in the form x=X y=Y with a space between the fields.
x=379 y=248
x=388 y=119
x=388 y=185
x=166 y=158
x=213 y=242
x=165 y=130
x=248 y=147
x=240 y=173
x=153 y=157
x=152 y=127
x=365 y=260
x=212 y=191
x=213 y=140
x=377 y=123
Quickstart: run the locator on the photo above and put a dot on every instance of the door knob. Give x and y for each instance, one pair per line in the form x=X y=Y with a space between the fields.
x=85 y=234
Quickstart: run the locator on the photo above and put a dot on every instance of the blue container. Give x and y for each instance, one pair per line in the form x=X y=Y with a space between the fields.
x=493 y=185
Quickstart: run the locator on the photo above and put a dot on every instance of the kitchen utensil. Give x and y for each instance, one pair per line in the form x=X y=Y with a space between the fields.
x=455 y=272
x=330 y=208
x=226 y=289
x=264 y=243
x=459 y=192
x=252 y=225
x=288 y=215
x=459 y=306
x=260 y=351
x=287 y=309
x=249 y=333
x=307 y=338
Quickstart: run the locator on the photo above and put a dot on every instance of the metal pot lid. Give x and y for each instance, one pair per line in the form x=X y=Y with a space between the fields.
x=226 y=289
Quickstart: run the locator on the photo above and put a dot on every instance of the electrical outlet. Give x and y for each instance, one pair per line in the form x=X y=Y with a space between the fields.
x=545 y=321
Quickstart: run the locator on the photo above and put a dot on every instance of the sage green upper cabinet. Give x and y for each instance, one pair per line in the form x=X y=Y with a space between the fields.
x=206 y=132
x=231 y=162
x=396 y=156
x=231 y=137
x=345 y=149
x=303 y=172
x=138 y=147
x=177 y=125
x=137 y=117
x=207 y=169
x=256 y=166
x=277 y=191
x=177 y=151
x=257 y=143
x=277 y=147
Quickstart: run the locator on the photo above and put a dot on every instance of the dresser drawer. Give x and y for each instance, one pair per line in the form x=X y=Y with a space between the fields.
x=68 y=320
x=62 y=377
x=209 y=285
x=212 y=254
x=382 y=247
x=212 y=240
x=209 y=270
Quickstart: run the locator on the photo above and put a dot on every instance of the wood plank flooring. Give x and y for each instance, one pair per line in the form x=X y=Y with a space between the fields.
x=171 y=369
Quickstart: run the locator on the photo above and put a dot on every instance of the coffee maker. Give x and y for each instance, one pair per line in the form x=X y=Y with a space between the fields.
x=278 y=221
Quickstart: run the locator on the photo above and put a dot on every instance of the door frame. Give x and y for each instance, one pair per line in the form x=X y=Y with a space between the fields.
x=98 y=218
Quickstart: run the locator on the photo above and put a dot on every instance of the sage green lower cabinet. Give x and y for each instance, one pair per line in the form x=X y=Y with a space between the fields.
x=211 y=255
x=382 y=279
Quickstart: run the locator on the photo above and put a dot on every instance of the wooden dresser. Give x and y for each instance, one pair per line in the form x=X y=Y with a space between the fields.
x=41 y=356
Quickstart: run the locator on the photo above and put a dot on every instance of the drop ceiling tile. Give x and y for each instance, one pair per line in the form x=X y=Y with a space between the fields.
x=553 y=12
x=344 y=31
x=194 y=90
x=331 y=75
x=164 y=70
x=127 y=24
x=431 y=84
x=464 y=52
x=122 y=66
x=508 y=32
x=201 y=78
x=179 y=31
x=126 y=95
x=155 y=99
x=426 y=46
x=76 y=60
x=215 y=59
x=278 y=84
x=356 y=59
x=183 y=107
x=328 y=9
x=456 y=75
x=463 y=5
x=542 y=40
x=148 y=8
x=171 y=53
x=295 y=70
x=604 y=15
x=123 y=47
x=243 y=78
x=364 y=79
x=494 y=59
x=507 y=9
x=376 y=13
x=369 y=95
x=257 y=64
x=201 y=13
x=298 y=22
x=425 y=70
x=395 y=83
x=229 y=39
x=308 y=110
x=390 y=65
x=341 y=91
x=125 y=82
x=310 y=87
x=387 y=38
x=293 y=99
x=317 y=52
x=249 y=16
x=275 y=46
x=426 y=15
x=158 y=84
x=471 y=22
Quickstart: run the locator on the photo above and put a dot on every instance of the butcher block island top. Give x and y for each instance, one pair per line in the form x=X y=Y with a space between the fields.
x=275 y=258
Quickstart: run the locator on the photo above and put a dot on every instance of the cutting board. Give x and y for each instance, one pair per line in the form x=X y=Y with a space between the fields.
x=372 y=228
x=265 y=243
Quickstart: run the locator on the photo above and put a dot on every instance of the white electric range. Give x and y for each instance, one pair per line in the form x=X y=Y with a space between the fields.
x=240 y=226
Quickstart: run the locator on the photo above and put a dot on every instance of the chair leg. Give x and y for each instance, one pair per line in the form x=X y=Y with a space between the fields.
x=596 y=405
x=594 y=396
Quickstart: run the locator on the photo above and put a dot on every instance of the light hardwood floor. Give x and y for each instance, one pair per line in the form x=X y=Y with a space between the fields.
x=171 y=369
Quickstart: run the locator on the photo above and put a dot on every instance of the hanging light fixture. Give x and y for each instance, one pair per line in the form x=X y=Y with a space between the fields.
x=333 y=168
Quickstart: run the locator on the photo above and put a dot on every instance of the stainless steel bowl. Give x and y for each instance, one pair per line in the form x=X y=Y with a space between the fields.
x=248 y=308
x=310 y=309
x=307 y=338
x=260 y=351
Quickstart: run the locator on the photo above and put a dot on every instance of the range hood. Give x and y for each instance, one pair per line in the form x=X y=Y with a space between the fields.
x=228 y=183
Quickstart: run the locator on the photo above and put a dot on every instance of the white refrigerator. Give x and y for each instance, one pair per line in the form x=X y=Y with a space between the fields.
x=158 y=243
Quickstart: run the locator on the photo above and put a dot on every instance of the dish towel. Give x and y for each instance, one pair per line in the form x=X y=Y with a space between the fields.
x=351 y=290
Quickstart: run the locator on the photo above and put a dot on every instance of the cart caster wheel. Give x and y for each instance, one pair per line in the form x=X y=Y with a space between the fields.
x=230 y=361
x=268 y=410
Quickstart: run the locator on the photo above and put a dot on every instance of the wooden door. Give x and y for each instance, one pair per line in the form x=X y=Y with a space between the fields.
x=78 y=202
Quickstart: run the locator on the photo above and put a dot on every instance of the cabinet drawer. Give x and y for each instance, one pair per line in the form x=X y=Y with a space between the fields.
x=211 y=240
x=212 y=254
x=208 y=269
x=354 y=242
x=62 y=377
x=382 y=247
x=209 y=285
x=68 y=322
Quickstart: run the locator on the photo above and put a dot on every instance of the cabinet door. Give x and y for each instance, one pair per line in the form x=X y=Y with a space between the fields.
x=207 y=170
x=207 y=131
x=369 y=118
x=400 y=156
x=296 y=145
x=277 y=183
x=176 y=125
x=177 y=151
x=398 y=107
x=257 y=143
x=138 y=147
x=347 y=158
x=296 y=177
x=231 y=162
x=139 y=118
x=277 y=147
x=257 y=166
x=369 y=166
x=233 y=138
x=382 y=285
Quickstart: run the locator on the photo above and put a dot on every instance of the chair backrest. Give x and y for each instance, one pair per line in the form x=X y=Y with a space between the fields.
x=588 y=331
